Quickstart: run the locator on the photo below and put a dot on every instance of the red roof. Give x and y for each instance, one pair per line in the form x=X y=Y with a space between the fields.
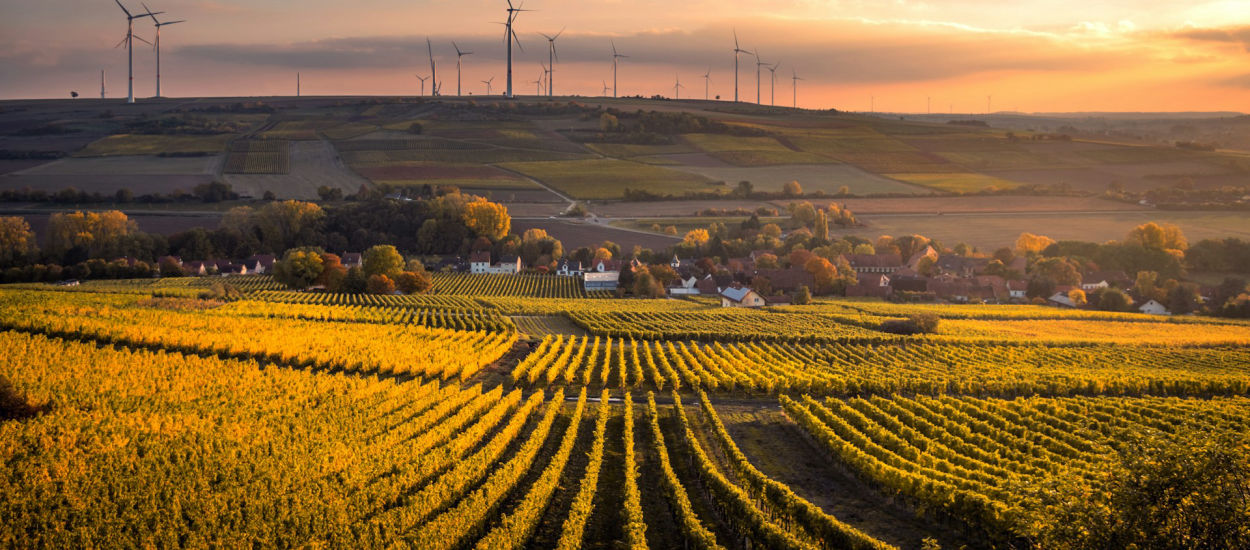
x=482 y=257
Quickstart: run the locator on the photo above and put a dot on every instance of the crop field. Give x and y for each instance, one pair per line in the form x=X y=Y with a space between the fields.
x=310 y=165
x=957 y=183
x=829 y=178
x=422 y=421
x=609 y=178
x=465 y=176
x=138 y=144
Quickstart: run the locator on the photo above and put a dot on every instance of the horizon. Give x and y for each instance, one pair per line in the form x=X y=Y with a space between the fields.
x=908 y=58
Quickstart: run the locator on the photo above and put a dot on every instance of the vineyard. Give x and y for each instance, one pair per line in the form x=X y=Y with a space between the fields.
x=520 y=412
x=259 y=157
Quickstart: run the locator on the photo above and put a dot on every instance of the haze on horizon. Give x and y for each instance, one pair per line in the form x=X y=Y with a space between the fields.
x=1031 y=56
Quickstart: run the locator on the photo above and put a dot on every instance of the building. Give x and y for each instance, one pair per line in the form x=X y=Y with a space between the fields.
x=870 y=284
x=508 y=265
x=1154 y=308
x=1061 y=299
x=479 y=262
x=875 y=263
x=353 y=259
x=1018 y=290
x=786 y=280
x=740 y=296
x=569 y=268
x=600 y=281
x=260 y=264
x=1098 y=280
x=685 y=286
x=961 y=266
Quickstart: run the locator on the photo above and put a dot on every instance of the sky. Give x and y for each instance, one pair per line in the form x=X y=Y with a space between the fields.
x=962 y=56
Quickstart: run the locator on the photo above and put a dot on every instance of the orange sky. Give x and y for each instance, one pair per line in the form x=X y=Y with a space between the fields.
x=1033 y=56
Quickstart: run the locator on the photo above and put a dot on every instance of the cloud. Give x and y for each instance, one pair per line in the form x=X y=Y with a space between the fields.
x=1242 y=81
x=1230 y=35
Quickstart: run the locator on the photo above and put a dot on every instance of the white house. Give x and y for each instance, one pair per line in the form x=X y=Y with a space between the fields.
x=1154 y=308
x=740 y=296
x=569 y=268
x=684 y=287
x=1018 y=290
x=508 y=265
x=1061 y=299
x=479 y=262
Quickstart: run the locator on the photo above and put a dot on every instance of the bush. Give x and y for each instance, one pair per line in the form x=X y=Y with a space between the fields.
x=380 y=284
x=14 y=406
x=919 y=323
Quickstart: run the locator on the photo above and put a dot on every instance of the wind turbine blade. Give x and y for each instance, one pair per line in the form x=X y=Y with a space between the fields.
x=518 y=41
x=120 y=44
x=119 y=4
x=172 y=23
x=140 y=38
x=560 y=33
x=147 y=9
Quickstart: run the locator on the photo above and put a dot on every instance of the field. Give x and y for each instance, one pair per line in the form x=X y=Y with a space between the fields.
x=609 y=178
x=310 y=165
x=513 y=411
x=128 y=144
x=957 y=183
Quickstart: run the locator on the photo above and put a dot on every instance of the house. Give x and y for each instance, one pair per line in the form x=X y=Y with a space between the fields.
x=685 y=286
x=508 y=265
x=195 y=268
x=226 y=268
x=740 y=296
x=870 y=284
x=608 y=266
x=353 y=259
x=569 y=268
x=1098 y=280
x=875 y=263
x=479 y=262
x=607 y=280
x=1154 y=308
x=260 y=264
x=1018 y=290
x=914 y=262
x=677 y=264
x=909 y=283
x=714 y=284
x=961 y=266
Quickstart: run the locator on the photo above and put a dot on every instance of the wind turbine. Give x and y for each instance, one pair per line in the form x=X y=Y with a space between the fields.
x=130 y=45
x=772 y=101
x=509 y=36
x=459 y=56
x=759 y=63
x=433 y=68
x=615 y=56
x=538 y=84
x=707 y=84
x=677 y=89
x=546 y=78
x=158 y=43
x=737 y=51
x=796 y=80
x=422 y=79
x=605 y=88
x=103 y=93
x=488 y=84
x=552 y=57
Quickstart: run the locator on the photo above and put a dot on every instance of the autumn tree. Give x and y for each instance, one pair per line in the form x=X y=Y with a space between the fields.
x=663 y=273
x=646 y=285
x=379 y=284
x=865 y=249
x=536 y=244
x=414 y=282
x=1078 y=297
x=803 y=296
x=766 y=261
x=96 y=233
x=332 y=272
x=383 y=259
x=299 y=267
x=792 y=189
x=1029 y=243
x=696 y=238
x=487 y=219
x=825 y=273
x=17 y=241
x=1158 y=236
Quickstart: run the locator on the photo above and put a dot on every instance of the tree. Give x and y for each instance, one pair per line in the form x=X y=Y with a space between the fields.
x=918 y=323
x=1146 y=285
x=663 y=273
x=380 y=284
x=383 y=259
x=792 y=189
x=1060 y=270
x=1029 y=243
x=1164 y=236
x=299 y=267
x=1078 y=297
x=609 y=123
x=865 y=249
x=646 y=285
x=1175 y=491
x=771 y=231
x=745 y=188
x=825 y=273
x=487 y=219
x=355 y=282
x=1114 y=299
x=803 y=296
x=766 y=261
x=696 y=238
x=170 y=268
x=1184 y=298
x=413 y=282
x=17 y=241
x=97 y=234
x=332 y=272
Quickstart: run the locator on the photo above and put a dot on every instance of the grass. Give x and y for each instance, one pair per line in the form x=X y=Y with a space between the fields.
x=685 y=224
x=349 y=130
x=899 y=162
x=716 y=143
x=137 y=144
x=625 y=150
x=456 y=156
x=1001 y=160
x=608 y=178
x=771 y=158
x=956 y=183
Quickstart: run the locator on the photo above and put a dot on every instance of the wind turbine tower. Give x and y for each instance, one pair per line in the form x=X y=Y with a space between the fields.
x=422 y=79
x=130 y=46
x=509 y=37
x=459 y=55
x=677 y=89
x=772 y=101
x=488 y=84
x=158 y=43
x=605 y=88
x=796 y=80
x=615 y=56
x=737 y=51
x=707 y=84
x=759 y=64
x=552 y=57
x=433 y=68
x=103 y=95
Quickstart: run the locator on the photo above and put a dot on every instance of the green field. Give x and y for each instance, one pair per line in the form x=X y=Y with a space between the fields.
x=608 y=178
x=957 y=183
x=142 y=144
